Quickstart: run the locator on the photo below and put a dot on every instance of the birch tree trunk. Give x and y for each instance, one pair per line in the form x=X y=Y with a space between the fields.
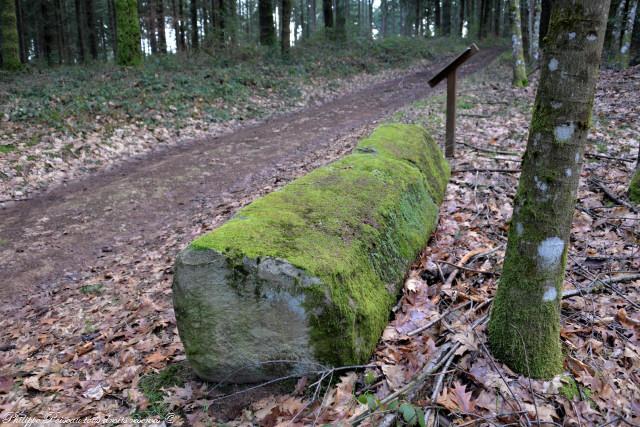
x=519 y=70
x=10 y=42
x=524 y=330
x=624 y=52
x=128 y=33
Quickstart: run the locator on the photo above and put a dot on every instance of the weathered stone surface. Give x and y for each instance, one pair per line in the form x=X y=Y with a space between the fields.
x=307 y=275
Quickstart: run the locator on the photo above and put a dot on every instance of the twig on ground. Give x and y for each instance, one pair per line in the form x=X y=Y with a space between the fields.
x=487 y=150
x=612 y=196
x=463 y=261
x=599 y=284
x=437 y=319
x=497 y=170
x=471 y=270
x=602 y=156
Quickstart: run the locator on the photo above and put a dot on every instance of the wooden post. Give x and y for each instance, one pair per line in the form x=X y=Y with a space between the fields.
x=449 y=72
x=450 y=139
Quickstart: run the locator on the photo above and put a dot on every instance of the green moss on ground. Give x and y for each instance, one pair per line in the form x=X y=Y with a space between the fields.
x=152 y=386
x=356 y=225
x=634 y=188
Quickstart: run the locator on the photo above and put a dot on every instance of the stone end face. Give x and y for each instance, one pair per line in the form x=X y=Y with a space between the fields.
x=308 y=274
x=238 y=318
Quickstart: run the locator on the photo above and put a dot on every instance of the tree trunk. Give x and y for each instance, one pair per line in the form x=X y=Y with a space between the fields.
x=128 y=33
x=182 y=41
x=438 y=17
x=327 y=13
x=285 y=27
x=525 y=29
x=384 y=16
x=545 y=15
x=46 y=33
x=519 y=69
x=618 y=25
x=112 y=26
x=160 y=25
x=10 y=49
x=524 y=330
x=341 y=20
x=446 y=18
x=80 y=26
x=624 y=52
x=267 y=30
x=21 y=31
x=91 y=28
x=535 y=31
x=193 y=9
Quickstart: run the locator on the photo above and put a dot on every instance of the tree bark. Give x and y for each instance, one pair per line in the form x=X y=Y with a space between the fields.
x=10 y=49
x=285 y=27
x=519 y=69
x=634 y=185
x=618 y=25
x=128 y=33
x=327 y=13
x=267 y=30
x=524 y=330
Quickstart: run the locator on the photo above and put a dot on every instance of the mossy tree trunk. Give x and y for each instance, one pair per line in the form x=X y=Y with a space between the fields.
x=10 y=48
x=285 y=28
x=624 y=51
x=618 y=25
x=128 y=33
x=524 y=331
x=535 y=30
x=267 y=29
x=519 y=69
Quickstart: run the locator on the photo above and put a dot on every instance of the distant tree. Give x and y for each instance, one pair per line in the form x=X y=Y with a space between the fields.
x=341 y=19
x=624 y=51
x=193 y=10
x=519 y=69
x=285 y=28
x=327 y=13
x=618 y=26
x=545 y=15
x=446 y=18
x=128 y=33
x=534 y=40
x=267 y=29
x=524 y=329
x=10 y=49
x=160 y=25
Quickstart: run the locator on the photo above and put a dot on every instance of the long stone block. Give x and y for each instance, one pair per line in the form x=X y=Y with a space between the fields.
x=307 y=275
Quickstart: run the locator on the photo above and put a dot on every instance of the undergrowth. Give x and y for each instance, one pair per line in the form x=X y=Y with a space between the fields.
x=211 y=86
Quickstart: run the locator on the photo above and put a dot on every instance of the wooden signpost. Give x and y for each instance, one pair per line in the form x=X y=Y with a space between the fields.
x=449 y=72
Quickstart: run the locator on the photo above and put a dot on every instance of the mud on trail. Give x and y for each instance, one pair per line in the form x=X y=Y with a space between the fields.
x=62 y=235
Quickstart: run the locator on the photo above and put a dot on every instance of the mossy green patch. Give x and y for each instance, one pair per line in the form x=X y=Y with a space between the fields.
x=634 y=187
x=152 y=386
x=7 y=148
x=354 y=226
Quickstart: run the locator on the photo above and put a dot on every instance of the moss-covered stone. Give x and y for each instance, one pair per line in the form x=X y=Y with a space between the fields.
x=634 y=188
x=308 y=274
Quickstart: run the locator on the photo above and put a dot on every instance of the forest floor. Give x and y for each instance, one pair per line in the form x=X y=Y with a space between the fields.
x=103 y=343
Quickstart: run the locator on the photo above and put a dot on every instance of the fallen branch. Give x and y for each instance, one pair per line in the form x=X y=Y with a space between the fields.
x=463 y=261
x=487 y=170
x=612 y=196
x=602 y=156
x=470 y=270
x=486 y=150
x=599 y=284
x=437 y=319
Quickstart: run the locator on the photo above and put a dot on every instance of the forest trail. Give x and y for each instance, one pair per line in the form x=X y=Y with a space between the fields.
x=62 y=233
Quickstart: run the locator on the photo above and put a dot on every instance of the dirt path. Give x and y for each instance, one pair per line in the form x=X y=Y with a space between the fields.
x=63 y=232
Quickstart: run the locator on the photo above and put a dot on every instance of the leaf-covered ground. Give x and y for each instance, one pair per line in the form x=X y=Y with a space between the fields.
x=59 y=124
x=106 y=345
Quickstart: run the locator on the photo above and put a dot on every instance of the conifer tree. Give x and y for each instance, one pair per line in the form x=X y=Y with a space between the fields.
x=128 y=33
x=519 y=69
x=10 y=48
